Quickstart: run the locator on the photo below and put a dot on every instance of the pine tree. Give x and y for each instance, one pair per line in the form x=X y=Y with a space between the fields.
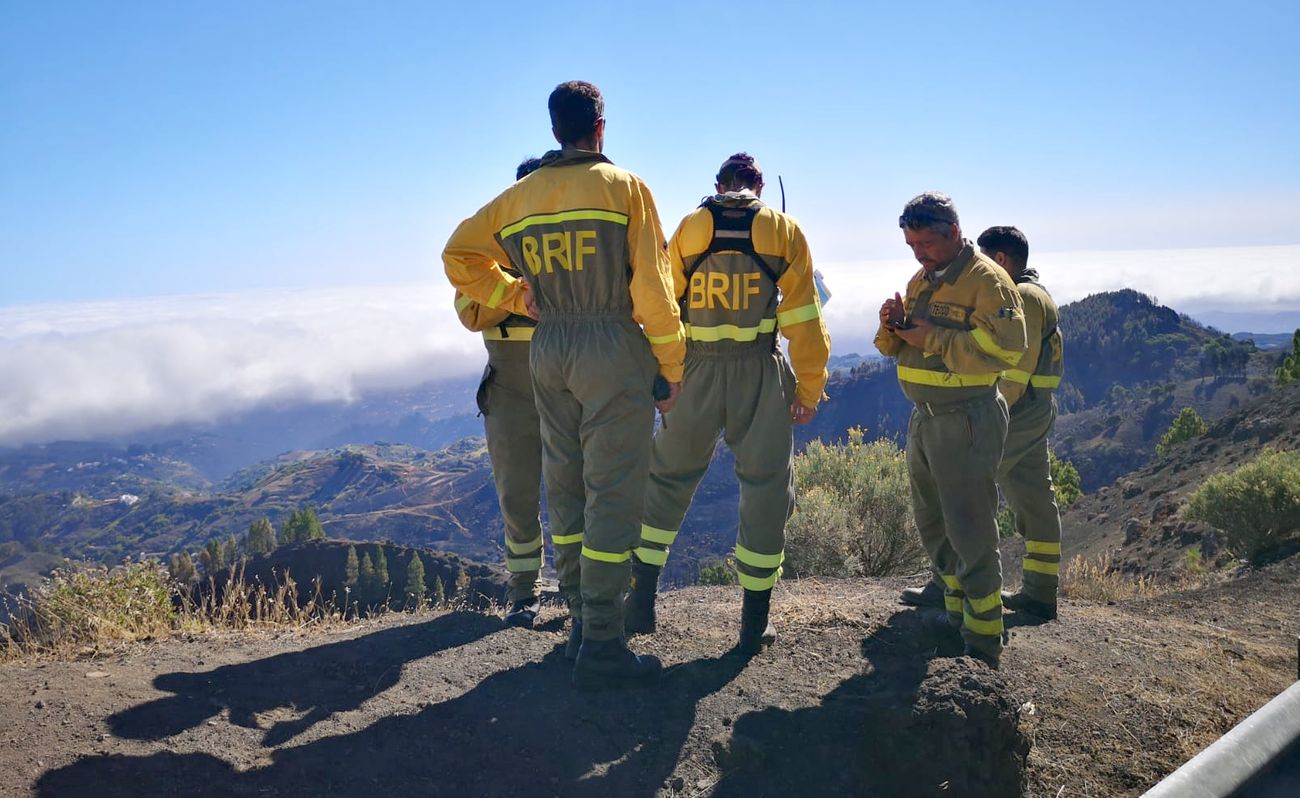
x=366 y=591
x=415 y=589
x=206 y=562
x=182 y=569
x=382 y=582
x=1186 y=426
x=261 y=537
x=1289 y=371
x=289 y=529
x=230 y=551
x=352 y=570
x=216 y=561
x=311 y=526
x=439 y=592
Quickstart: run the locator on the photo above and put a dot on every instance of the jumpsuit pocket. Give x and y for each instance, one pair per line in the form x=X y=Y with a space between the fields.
x=787 y=378
x=481 y=396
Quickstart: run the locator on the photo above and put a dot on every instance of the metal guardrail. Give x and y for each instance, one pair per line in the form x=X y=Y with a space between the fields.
x=1257 y=758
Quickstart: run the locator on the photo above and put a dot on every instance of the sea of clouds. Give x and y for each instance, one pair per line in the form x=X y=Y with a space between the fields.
x=104 y=369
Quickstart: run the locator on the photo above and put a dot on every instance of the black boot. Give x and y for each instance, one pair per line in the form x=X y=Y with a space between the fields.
x=575 y=640
x=1019 y=602
x=639 y=608
x=610 y=663
x=929 y=596
x=524 y=612
x=756 y=630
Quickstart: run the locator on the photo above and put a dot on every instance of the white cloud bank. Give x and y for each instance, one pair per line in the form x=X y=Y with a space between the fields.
x=91 y=370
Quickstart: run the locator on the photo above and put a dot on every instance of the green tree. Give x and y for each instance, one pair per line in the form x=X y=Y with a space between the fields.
x=366 y=590
x=1186 y=426
x=182 y=570
x=230 y=551
x=439 y=592
x=301 y=525
x=216 y=559
x=1257 y=505
x=382 y=581
x=261 y=537
x=415 y=588
x=1289 y=371
x=1065 y=480
x=352 y=570
x=719 y=573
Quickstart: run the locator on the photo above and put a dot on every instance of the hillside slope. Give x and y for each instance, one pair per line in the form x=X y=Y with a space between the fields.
x=860 y=696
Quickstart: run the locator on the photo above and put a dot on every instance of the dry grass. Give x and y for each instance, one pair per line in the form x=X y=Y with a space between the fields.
x=77 y=610
x=1097 y=579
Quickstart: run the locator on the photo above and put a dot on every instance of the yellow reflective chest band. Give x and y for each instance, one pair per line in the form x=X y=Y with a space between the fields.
x=565 y=216
x=986 y=342
x=945 y=379
x=666 y=339
x=1042 y=547
x=730 y=332
x=1036 y=380
x=652 y=534
x=566 y=540
x=796 y=315
x=523 y=334
x=1040 y=567
x=463 y=303
x=605 y=556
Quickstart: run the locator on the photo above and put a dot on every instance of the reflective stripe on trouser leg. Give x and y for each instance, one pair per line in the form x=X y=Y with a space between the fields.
x=963 y=449
x=654 y=545
x=514 y=443
x=952 y=597
x=760 y=389
x=1025 y=477
x=603 y=371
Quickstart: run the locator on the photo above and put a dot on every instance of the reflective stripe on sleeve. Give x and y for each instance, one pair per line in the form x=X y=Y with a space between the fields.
x=498 y=294
x=797 y=315
x=463 y=302
x=666 y=339
x=986 y=343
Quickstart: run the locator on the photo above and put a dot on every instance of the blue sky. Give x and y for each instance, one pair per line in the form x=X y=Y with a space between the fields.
x=179 y=148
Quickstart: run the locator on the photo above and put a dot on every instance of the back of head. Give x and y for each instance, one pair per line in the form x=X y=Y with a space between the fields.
x=932 y=210
x=740 y=171
x=575 y=108
x=526 y=167
x=1007 y=240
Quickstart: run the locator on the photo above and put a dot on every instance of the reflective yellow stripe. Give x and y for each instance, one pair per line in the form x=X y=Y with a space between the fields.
x=952 y=603
x=463 y=303
x=497 y=294
x=652 y=534
x=666 y=339
x=605 y=556
x=986 y=342
x=1040 y=567
x=1043 y=381
x=951 y=581
x=945 y=379
x=1016 y=375
x=564 y=540
x=756 y=560
x=729 y=332
x=758 y=582
x=805 y=313
x=979 y=627
x=1042 y=547
x=566 y=216
x=520 y=334
x=523 y=566
x=985 y=604
x=524 y=548
x=652 y=556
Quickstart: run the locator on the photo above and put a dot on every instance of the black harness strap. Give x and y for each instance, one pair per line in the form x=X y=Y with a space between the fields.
x=733 y=231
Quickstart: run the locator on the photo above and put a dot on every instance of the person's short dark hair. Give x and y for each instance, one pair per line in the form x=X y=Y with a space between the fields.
x=740 y=170
x=575 y=108
x=1008 y=240
x=931 y=209
x=526 y=167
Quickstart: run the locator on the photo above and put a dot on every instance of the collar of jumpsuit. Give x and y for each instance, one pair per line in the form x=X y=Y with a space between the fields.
x=954 y=267
x=734 y=199
x=571 y=155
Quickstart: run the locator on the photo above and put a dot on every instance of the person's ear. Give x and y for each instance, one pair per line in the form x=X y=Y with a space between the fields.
x=556 y=134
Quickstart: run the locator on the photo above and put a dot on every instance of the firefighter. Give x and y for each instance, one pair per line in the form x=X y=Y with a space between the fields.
x=586 y=238
x=960 y=325
x=514 y=441
x=742 y=271
x=1025 y=473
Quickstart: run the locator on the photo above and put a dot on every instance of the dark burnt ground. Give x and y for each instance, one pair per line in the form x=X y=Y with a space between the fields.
x=860 y=697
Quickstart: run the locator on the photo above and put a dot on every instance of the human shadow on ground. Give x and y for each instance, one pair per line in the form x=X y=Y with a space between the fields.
x=316 y=682
x=840 y=746
x=521 y=732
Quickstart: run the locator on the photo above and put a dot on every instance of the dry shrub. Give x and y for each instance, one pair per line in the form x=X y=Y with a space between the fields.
x=1096 y=579
x=854 y=513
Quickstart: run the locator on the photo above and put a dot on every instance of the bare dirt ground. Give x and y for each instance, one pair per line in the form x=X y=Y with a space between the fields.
x=860 y=696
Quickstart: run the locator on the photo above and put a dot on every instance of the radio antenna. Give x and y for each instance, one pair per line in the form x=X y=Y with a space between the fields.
x=781 y=183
